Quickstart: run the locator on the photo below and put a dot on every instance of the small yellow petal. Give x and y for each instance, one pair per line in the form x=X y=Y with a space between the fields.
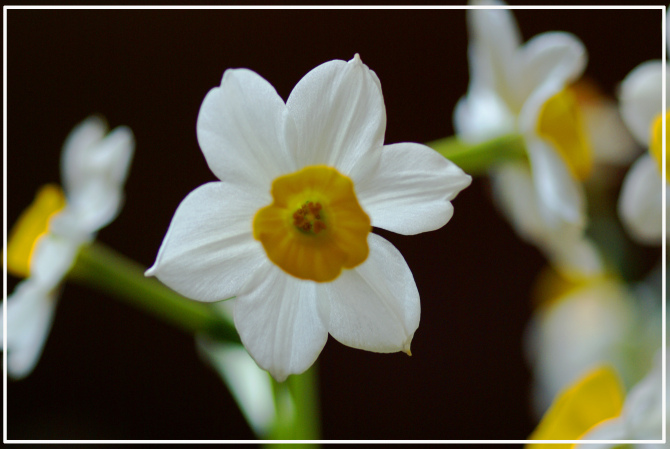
x=593 y=398
x=656 y=142
x=560 y=122
x=31 y=225
x=315 y=227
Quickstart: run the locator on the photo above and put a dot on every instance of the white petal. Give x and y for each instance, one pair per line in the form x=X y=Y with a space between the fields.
x=644 y=407
x=482 y=116
x=374 y=306
x=280 y=322
x=566 y=246
x=497 y=28
x=94 y=172
x=572 y=253
x=339 y=112
x=209 y=251
x=640 y=98
x=610 y=429
x=494 y=39
x=250 y=386
x=577 y=331
x=244 y=130
x=514 y=194
x=554 y=58
x=53 y=257
x=641 y=201
x=95 y=207
x=30 y=310
x=610 y=139
x=411 y=189
x=84 y=136
x=560 y=196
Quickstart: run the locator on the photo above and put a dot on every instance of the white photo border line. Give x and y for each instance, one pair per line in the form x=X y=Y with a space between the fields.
x=664 y=224
x=326 y=7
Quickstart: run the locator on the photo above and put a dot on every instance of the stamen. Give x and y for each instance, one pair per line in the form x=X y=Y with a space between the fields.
x=308 y=218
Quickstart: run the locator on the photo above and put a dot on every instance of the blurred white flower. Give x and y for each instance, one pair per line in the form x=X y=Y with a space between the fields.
x=579 y=325
x=641 y=199
x=596 y=396
x=44 y=243
x=641 y=417
x=524 y=89
x=287 y=230
x=611 y=142
x=596 y=407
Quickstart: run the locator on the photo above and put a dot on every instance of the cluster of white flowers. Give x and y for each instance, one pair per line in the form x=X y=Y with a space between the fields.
x=592 y=336
x=285 y=235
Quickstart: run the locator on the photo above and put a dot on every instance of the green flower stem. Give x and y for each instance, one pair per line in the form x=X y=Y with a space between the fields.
x=104 y=269
x=304 y=389
x=478 y=158
x=297 y=408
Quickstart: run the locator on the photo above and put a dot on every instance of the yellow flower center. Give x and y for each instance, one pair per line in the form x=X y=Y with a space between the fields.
x=560 y=122
x=32 y=224
x=595 y=397
x=314 y=227
x=656 y=142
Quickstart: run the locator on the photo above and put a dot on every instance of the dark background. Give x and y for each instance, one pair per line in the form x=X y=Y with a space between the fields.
x=111 y=372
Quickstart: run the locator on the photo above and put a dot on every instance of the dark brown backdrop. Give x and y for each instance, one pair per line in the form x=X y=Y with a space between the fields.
x=110 y=372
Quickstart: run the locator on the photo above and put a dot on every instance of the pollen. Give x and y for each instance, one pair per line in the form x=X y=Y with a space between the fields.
x=308 y=218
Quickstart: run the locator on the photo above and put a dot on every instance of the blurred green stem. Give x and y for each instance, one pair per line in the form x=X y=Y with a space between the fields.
x=476 y=159
x=104 y=269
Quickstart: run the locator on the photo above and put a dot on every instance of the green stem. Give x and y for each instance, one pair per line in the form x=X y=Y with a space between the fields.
x=304 y=389
x=476 y=159
x=102 y=268
x=297 y=408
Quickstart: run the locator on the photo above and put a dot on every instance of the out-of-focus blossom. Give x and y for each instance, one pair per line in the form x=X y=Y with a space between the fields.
x=641 y=200
x=287 y=230
x=611 y=142
x=45 y=241
x=580 y=325
x=525 y=89
x=594 y=397
x=595 y=407
x=641 y=417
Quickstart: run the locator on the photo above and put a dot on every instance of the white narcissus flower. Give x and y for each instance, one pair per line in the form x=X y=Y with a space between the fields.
x=44 y=243
x=287 y=229
x=524 y=89
x=577 y=326
x=641 y=199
